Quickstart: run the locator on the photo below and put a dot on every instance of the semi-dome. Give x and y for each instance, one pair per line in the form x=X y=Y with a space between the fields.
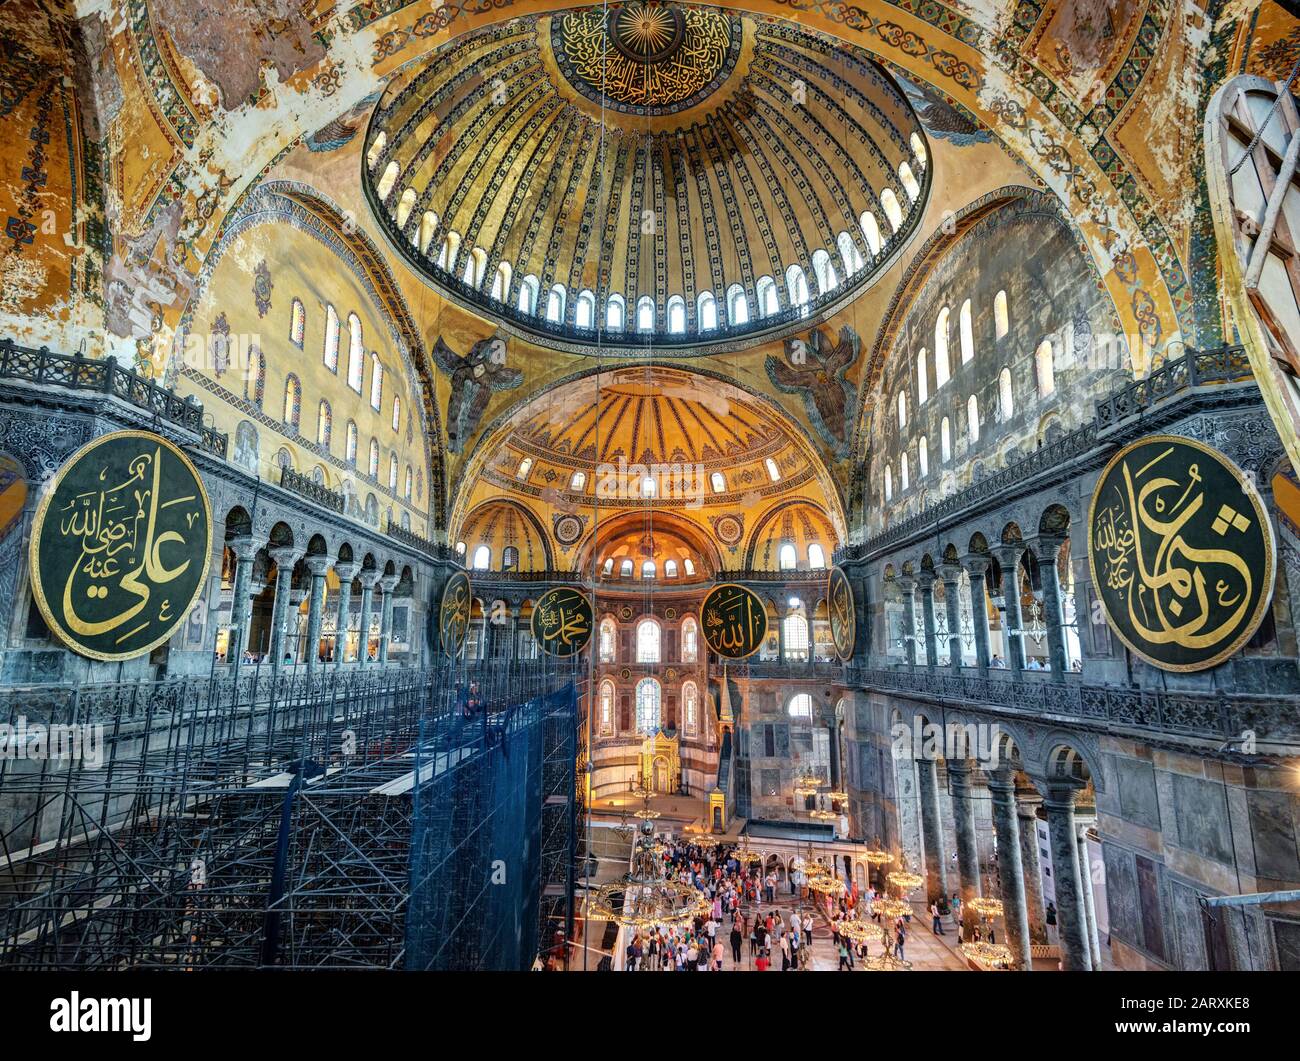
x=646 y=174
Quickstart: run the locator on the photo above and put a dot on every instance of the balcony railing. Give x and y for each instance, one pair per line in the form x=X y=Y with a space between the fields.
x=310 y=489
x=420 y=543
x=107 y=377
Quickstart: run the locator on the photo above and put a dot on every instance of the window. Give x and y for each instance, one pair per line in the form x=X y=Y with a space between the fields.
x=893 y=214
x=670 y=569
x=918 y=149
x=766 y=291
x=555 y=304
x=647 y=641
x=625 y=569
x=816 y=557
x=648 y=569
x=870 y=231
x=609 y=565
x=428 y=226
x=292 y=403
x=392 y=472
x=475 y=267
x=449 y=252
x=1043 y=368
x=397 y=412
x=903 y=479
x=973 y=418
x=407 y=484
x=607 y=637
x=910 y=184
x=352 y=443
x=921 y=381
x=945 y=441
x=889 y=483
x=404 y=207
x=688 y=565
x=645 y=314
x=719 y=482
x=578 y=481
x=800 y=706
x=525 y=466
x=584 y=315
x=501 y=282
x=691 y=708
x=967 y=333
x=647 y=706
x=1006 y=404
x=356 y=353
x=386 y=182
x=331 y=353
x=824 y=270
x=615 y=311
x=482 y=558
x=676 y=315
x=374 y=459
x=376 y=381
x=690 y=640
x=528 y=289
x=255 y=379
x=607 y=707
x=376 y=151
x=796 y=283
x=795 y=627
x=649 y=488
x=509 y=558
x=922 y=458
x=324 y=424
x=1001 y=318
x=297 y=323
x=773 y=472
x=941 y=374
x=707 y=309
x=849 y=253
x=787 y=558
x=737 y=305
x=902 y=409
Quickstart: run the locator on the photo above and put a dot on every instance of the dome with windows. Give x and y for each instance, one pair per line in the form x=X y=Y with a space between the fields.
x=646 y=174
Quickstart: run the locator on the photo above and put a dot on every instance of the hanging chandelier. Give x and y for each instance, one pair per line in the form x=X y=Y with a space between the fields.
x=854 y=930
x=891 y=908
x=820 y=814
x=827 y=884
x=989 y=908
x=837 y=796
x=645 y=896
x=746 y=855
x=988 y=955
x=876 y=856
x=905 y=881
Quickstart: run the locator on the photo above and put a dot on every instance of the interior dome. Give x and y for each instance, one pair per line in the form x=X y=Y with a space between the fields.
x=646 y=174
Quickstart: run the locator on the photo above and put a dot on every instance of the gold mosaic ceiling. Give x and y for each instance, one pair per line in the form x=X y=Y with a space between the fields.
x=646 y=173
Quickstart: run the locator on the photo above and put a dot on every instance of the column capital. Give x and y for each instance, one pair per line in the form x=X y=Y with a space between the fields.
x=369 y=578
x=1008 y=553
x=950 y=573
x=907 y=583
x=346 y=570
x=925 y=579
x=389 y=582
x=317 y=565
x=1045 y=547
x=285 y=556
x=1002 y=780
x=245 y=547
x=976 y=564
x=1059 y=795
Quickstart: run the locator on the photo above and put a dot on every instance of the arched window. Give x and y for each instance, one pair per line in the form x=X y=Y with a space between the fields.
x=766 y=291
x=528 y=289
x=475 y=267
x=973 y=418
x=449 y=252
x=918 y=149
x=870 y=231
x=1001 y=316
x=482 y=558
x=331 y=351
x=945 y=441
x=324 y=424
x=606 y=707
x=942 y=366
x=501 y=282
x=649 y=486
x=719 y=482
x=893 y=213
x=849 y=253
x=1044 y=369
x=921 y=380
x=676 y=315
x=376 y=151
x=707 y=311
x=670 y=569
x=525 y=466
x=795 y=627
x=889 y=483
x=904 y=480
x=645 y=314
x=690 y=640
x=688 y=565
x=404 y=207
x=796 y=283
x=922 y=458
x=584 y=313
x=608 y=641
x=773 y=472
x=292 y=403
x=824 y=270
x=910 y=184
x=397 y=412
x=787 y=558
x=737 y=305
x=356 y=353
x=386 y=182
x=376 y=381
x=647 y=706
x=800 y=706
x=555 y=304
x=509 y=558
x=428 y=226
x=578 y=481
x=392 y=472
x=255 y=380
x=407 y=484
x=374 y=459
x=691 y=708
x=816 y=556
x=967 y=333
x=902 y=409
x=352 y=443
x=615 y=313
x=297 y=322
x=1006 y=400
x=625 y=569
x=647 y=641
x=648 y=569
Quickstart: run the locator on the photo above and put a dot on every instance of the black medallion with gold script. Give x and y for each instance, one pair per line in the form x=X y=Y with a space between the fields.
x=121 y=545
x=844 y=619
x=1181 y=552
x=734 y=621
x=453 y=614
x=562 y=621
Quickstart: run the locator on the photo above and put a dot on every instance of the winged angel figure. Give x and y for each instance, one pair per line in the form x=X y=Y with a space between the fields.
x=474 y=378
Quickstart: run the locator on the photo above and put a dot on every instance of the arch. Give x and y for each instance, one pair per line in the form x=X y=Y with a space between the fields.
x=607 y=643
x=645 y=314
x=648 y=640
x=765 y=288
x=824 y=271
x=297 y=322
x=1044 y=369
x=376 y=381
x=356 y=353
x=1001 y=315
x=737 y=306
x=800 y=705
x=676 y=315
x=404 y=207
x=649 y=706
x=324 y=424
x=690 y=646
x=966 y=333
x=501 y=281
x=973 y=418
x=1006 y=396
x=428 y=228
x=528 y=292
x=707 y=312
x=292 y=403
x=942 y=362
x=555 y=304
x=870 y=231
x=502 y=521
x=584 y=310
x=796 y=284
x=606 y=715
x=893 y=212
x=616 y=313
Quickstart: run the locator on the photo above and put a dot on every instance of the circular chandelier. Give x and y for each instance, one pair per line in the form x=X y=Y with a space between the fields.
x=647 y=815
x=891 y=908
x=988 y=955
x=877 y=857
x=821 y=815
x=856 y=931
x=905 y=881
x=825 y=884
x=986 y=907
x=837 y=796
x=645 y=896
x=746 y=855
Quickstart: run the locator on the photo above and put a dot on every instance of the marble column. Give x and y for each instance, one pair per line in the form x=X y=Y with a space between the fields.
x=386 y=584
x=951 y=575
x=1006 y=826
x=1071 y=920
x=241 y=603
x=976 y=566
x=1089 y=901
x=1009 y=559
x=1027 y=803
x=961 y=784
x=285 y=556
x=1046 y=550
x=936 y=859
x=369 y=579
x=833 y=729
x=346 y=570
x=318 y=566
x=925 y=581
x=907 y=586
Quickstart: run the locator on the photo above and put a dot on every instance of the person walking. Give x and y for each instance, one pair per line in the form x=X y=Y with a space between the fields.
x=900 y=939
x=736 y=940
x=936 y=922
x=717 y=956
x=846 y=956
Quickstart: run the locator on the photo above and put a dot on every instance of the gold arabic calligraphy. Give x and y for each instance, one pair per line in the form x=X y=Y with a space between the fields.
x=735 y=621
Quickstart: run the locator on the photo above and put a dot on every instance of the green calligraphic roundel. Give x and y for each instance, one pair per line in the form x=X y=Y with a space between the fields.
x=1181 y=551
x=562 y=621
x=843 y=615
x=454 y=614
x=734 y=621
x=121 y=545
